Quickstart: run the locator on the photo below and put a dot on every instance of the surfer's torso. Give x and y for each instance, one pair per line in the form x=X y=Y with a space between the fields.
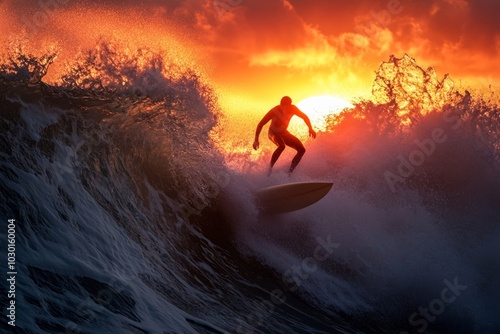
x=281 y=118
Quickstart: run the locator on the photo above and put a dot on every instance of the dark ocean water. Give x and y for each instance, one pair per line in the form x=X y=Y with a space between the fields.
x=129 y=220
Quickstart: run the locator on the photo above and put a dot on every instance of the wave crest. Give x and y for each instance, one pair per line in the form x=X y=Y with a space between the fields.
x=406 y=97
x=22 y=65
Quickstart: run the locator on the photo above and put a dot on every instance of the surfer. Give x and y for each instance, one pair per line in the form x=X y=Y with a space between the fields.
x=280 y=118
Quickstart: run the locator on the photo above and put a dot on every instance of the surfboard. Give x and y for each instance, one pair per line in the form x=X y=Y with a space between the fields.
x=291 y=196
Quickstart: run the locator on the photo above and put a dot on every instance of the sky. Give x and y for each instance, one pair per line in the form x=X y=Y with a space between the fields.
x=260 y=50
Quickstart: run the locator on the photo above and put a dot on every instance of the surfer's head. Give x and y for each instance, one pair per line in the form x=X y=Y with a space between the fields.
x=286 y=101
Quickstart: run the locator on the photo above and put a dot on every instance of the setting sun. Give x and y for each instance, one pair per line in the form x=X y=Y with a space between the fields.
x=319 y=107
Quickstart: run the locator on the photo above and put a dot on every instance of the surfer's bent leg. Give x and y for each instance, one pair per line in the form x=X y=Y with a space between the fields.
x=296 y=144
x=278 y=141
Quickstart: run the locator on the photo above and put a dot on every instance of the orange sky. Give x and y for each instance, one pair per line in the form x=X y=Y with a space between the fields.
x=299 y=47
x=263 y=49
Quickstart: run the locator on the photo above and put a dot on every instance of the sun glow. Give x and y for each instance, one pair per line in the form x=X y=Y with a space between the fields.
x=317 y=108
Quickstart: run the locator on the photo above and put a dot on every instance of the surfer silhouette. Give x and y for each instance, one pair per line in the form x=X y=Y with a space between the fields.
x=280 y=118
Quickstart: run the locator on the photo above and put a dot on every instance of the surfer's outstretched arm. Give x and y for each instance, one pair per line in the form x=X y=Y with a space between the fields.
x=261 y=124
x=306 y=119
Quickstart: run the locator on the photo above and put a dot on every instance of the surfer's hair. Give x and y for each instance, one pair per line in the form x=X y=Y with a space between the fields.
x=286 y=100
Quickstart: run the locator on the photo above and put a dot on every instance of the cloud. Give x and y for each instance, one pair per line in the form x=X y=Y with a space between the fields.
x=322 y=38
x=316 y=52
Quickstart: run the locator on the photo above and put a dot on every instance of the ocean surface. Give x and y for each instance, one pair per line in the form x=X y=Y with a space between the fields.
x=131 y=218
